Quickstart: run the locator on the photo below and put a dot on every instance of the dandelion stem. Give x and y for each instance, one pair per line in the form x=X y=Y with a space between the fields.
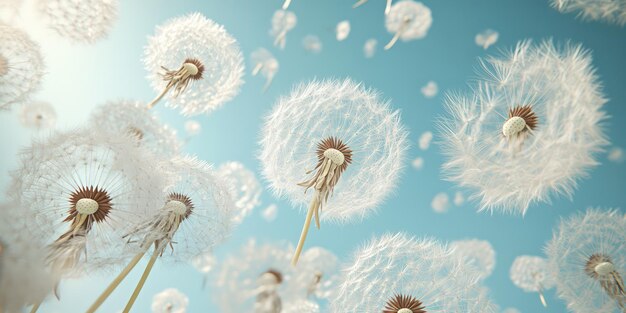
x=257 y=69
x=142 y=281
x=286 y=4
x=542 y=298
x=305 y=229
x=359 y=3
x=160 y=96
x=403 y=27
x=35 y=307
x=116 y=282
x=388 y=7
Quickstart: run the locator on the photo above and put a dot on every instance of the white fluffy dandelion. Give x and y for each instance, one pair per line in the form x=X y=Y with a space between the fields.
x=369 y=48
x=21 y=66
x=407 y=20
x=254 y=280
x=133 y=119
x=616 y=155
x=194 y=216
x=316 y=274
x=24 y=279
x=85 y=21
x=338 y=139
x=361 y=2
x=244 y=187
x=312 y=44
x=195 y=62
x=430 y=90
x=342 y=31
x=610 y=11
x=270 y=212
x=532 y=274
x=440 y=203
x=418 y=163
x=398 y=274
x=38 y=115
x=282 y=22
x=588 y=254
x=264 y=63
x=170 y=300
x=486 y=38
x=425 y=139
x=193 y=128
x=531 y=129
x=477 y=253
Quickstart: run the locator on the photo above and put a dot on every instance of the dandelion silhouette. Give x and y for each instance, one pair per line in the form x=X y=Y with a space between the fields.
x=347 y=141
x=21 y=66
x=532 y=274
x=407 y=20
x=588 y=255
x=195 y=63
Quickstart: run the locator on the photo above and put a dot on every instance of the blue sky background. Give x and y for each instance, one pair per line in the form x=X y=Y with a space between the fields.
x=80 y=77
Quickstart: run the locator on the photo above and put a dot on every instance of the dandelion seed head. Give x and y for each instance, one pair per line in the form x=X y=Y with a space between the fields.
x=84 y=21
x=21 y=66
x=440 y=203
x=430 y=90
x=418 y=270
x=486 y=38
x=244 y=187
x=616 y=155
x=608 y=11
x=193 y=41
x=342 y=31
x=509 y=167
x=531 y=273
x=170 y=300
x=477 y=253
x=268 y=64
x=344 y=116
x=413 y=19
x=282 y=22
x=38 y=115
x=588 y=256
x=369 y=48
x=425 y=139
x=312 y=44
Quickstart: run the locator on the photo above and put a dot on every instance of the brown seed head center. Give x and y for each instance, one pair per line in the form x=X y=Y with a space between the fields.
x=527 y=114
x=198 y=65
x=175 y=196
x=336 y=144
x=277 y=275
x=399 y=302
x=96 y=194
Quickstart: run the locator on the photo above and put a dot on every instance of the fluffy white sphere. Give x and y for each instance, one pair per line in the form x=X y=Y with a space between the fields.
x=38 y=115
x=244 y=187
x=610 y=11
x=477 y=253
x=170 y=300
x=84 y=21
x=413 y=19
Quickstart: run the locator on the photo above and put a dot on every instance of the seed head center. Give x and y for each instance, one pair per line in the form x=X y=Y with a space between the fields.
x=191 y=68
x=176 y=207
x=405 y=310
x=87 y=206
x=335 y=156
x=513 y=126
x=604 y=268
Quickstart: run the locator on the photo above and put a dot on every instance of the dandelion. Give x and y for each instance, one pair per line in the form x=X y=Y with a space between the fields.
x=418 y=163
x=192 y=128
x=170 y=300
x=616 y=155
x=194 y=216
x=244 y=187
x=477 y=253
x=407 y=20
x=362 y=2
x=195 y=62
x=609 y=11
x=133 y=119
x=425 y=139
x=430 y=90
x=204 y=263
x=395 y=273
x=459 y=199
x=264 y=63
x=21 y=66
x=38 y=115
x=301 y=306
x=316 y=274
x=532 y=274
x=342 y=30
x=486 y=38
x=588 y=254
x=84 y=21
x=282 y=22
x=24 y=279
x=440 y=203
x=312 y=44
x=339 y=139
x=269 y=213
x=532 y=128
x=369 y=48
x=254 y=280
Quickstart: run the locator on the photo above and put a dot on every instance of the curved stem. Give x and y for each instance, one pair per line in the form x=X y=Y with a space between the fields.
x=286 y=4
x=257 y=69
x=35 y=307
x=142 y=281
x=359 y=3
x=160 y=96
x=107 y=292
x=305 y=230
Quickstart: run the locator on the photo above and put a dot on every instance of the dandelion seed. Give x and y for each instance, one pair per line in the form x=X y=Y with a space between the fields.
x=369 y=48
x=21 y=66
x=170 y=300
x=418 y=163
x=532 y=274
x=430 y=90
x=192 y=128
x=244 y=187
x=425 y=139
x=616 y=155
x=440 y=203
x=588 y=256
x=396 y=273
x=282 y=22
x=348 y=142
x=195 y=62
x=269 y=214
x=609 y=11
x=343 y=30
x=263 y=62
x=316 y=274
x=133 y=119
x=477 y=253
x=84 y=21
x=486 y=38
x=38 y=115
x=204 y=263
x=509 y=139
x=194 y=216
x=407 y=20
x=459 y=199
x=312 y=44
x=362 y=2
